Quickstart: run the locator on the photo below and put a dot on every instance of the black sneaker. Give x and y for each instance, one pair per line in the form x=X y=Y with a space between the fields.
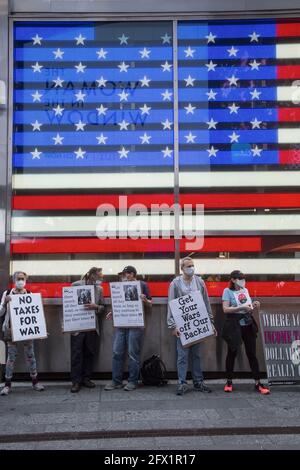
x=181 y=389
x=75 y=388
x=201 y=387
x=88 y=383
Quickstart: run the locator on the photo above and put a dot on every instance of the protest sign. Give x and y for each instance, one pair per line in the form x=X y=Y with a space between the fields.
x=127 y=305
x=281 y=342
x=191 y=318
x=27 y=317
x=75 y=316
x=242 y=298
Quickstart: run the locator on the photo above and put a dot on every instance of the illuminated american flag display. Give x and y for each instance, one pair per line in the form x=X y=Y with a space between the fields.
x=94 y=119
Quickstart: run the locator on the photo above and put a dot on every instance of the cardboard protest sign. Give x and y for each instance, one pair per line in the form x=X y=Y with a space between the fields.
x=27 y=317
x=75 y=316
x=191 y=318
x=127 y=305
x=281 y=342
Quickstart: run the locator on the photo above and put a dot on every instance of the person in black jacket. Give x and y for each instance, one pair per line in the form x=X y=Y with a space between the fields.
x=240 y=326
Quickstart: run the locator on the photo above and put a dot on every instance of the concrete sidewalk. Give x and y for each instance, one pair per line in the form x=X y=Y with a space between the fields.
x=150 y=418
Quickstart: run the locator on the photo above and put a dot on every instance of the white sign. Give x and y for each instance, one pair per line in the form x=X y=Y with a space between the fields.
x=76 y=316
x=127 y=305
x=2 y=353
x=242 y=298
x=27 y=317
x=191 y=318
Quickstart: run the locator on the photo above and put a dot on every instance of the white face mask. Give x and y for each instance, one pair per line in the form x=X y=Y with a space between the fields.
x=240 y=282
x=189 y=271
x=20 y=284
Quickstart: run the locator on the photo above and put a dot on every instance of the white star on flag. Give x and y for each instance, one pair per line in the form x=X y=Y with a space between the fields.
x=256 y=151
x=145 y=139
x=80 y=68
x=256 y=123
x=80 y=96
x=234 y=137
x=166 y=39
x=101 y=110
x=145 y=109
x=101 y=53
x=123 y=153
x=58 y=82
x=190 y=109
x=101 y=82
x=189 y=52
x=80 y=40
x=232 y=80
x=123 y=96
x=145 y=81
x=233 y=108
x=167 y=124
x=80 y=125
x=35 y=154
x=254 y=36
x=254 y=65
x=79 y=153
x=212 y=124
x=232 y=51
x=212 y=152
x=36 y=126
x=58 y=139
x=145 y=53
x=123 y=125
x=211 y=66
x=190 y=138
x=123 y=39
x=255 y=94
x=167 y=152
x=211 y=95
x=58 y=110
x=36 y=96
x=167 y=95
x=58 y=54
x=166 y=66
x=37 y=40
x=101 y=139
x=189 y=81
x=210 y=38
x=123 y=67
x=37 y=67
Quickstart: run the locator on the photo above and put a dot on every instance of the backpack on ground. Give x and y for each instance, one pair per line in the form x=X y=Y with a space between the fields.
x=154 y=371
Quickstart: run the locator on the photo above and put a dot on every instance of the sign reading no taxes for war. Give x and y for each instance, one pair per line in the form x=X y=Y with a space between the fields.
x=191 y=318
x=27 y=317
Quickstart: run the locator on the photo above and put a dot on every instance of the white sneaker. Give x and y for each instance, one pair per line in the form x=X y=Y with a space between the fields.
x=38 y=387
x=5 y=390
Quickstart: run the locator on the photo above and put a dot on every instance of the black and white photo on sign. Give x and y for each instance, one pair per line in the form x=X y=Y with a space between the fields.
x=84 y=296
x=27 y=317
x=131 y=292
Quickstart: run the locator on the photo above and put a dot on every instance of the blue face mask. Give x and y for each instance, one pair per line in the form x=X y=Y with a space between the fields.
x=189 y=271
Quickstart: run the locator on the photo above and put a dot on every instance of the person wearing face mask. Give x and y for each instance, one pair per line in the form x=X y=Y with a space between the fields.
x=130 y=338
x=84 y=343
x=179 y=287
x=19 y=280
x=239 y=327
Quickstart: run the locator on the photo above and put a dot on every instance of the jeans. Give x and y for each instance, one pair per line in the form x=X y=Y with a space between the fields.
x=83 y=349
x=249 y=339
x=131 y=338
x=12 y=353
x=183 y=361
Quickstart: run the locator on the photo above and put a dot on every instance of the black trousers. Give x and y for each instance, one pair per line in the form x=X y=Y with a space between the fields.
x=249 y=339
x=83 y=349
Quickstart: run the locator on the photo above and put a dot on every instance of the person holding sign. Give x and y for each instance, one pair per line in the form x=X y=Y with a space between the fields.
x=84 y=343
x=19 y=280
x=240 y=326
x=130 y=337
x=179 y=287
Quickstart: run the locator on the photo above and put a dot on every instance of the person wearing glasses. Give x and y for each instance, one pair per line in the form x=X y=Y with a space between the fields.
x=240 y=326
x=19 y=280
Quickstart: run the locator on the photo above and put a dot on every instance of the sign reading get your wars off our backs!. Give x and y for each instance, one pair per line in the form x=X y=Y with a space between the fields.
x=27 y=317
x=191 y=318
x=127 y=305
